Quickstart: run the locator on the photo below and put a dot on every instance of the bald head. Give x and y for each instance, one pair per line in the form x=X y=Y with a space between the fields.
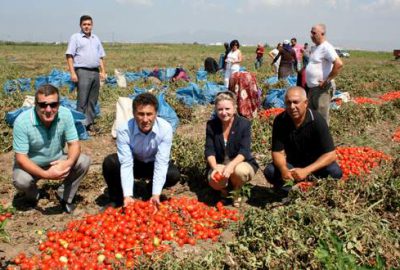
x=318 y=32
x=297 y=91
x=321 y=27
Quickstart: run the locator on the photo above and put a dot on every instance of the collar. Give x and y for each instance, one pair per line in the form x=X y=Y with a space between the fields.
x=84 y=35
x=308 y=119
x=35 y=120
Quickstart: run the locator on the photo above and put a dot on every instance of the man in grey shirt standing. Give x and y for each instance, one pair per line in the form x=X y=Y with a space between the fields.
x=85 y=55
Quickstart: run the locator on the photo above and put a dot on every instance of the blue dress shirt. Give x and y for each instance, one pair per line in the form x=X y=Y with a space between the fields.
x=154 y=146
x=85 y=50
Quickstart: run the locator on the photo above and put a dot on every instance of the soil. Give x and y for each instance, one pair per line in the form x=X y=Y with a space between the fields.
x=28 y=226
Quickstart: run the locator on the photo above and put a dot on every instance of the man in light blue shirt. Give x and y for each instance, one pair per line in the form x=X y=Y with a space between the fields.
x=39 y=137
x=85 y=59
x=143 y=151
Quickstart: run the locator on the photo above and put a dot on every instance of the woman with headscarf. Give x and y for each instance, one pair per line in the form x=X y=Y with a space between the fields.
x=288 y=60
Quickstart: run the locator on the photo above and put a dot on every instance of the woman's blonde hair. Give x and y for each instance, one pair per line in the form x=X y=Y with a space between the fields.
x=226 y=95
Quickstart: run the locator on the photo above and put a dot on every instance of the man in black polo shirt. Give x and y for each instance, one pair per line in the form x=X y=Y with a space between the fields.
x=301 y=143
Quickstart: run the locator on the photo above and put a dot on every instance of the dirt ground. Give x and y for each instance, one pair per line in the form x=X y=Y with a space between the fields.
x=28 y=226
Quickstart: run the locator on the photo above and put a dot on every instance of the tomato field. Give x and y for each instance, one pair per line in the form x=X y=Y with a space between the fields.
x=353 y=223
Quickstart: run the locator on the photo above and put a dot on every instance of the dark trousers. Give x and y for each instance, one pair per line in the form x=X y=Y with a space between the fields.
x=141 y=170
x=273 y=175
x=88 y=93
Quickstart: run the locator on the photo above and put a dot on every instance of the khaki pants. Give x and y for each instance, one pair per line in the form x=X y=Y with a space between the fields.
x=243 y=173
x=26 y=183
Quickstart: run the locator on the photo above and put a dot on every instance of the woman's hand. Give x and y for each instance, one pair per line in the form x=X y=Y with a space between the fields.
x=228 y=170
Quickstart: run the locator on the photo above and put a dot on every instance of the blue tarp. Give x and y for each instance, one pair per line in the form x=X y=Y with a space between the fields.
x=71 y=104
x=191 y=95
x=291 y=80
x=166 y=112
x=201 y=75
x=275 y=99
x=111 y=80
x=78 y=118
x=134 y=76
x=60 y=78
x=22 y=84
x=211 y=89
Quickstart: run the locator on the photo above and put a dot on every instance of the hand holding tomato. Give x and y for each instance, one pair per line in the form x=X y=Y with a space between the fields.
x=217 y=177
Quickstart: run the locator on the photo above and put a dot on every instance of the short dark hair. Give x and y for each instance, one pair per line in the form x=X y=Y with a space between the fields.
x=85 y=18
x=145 y=99
x=293 y=38
x=233 y=43
x=47 y=90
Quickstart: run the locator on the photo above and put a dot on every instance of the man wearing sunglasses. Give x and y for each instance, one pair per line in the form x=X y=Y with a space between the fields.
x=39 y=137
x=85 y=55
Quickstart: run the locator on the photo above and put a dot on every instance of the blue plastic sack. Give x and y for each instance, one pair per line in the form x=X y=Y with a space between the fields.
x=292 y=80
x=190 y=95
x=133 y=76
x=166 y=112
x=21 y=84
x=272 y=80
x=10 y=86
x=201 y=75
x=82 y=132
x=11 y=116
x=40 y=80
x=71 y=105
x=111 y=80
x=24 y=84
x=211 y=89
x=275 y=99
x=169 y=73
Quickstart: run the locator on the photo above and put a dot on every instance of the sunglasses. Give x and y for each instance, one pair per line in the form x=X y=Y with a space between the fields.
x=43 y=105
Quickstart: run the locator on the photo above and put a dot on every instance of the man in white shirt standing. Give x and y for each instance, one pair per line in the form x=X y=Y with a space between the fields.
x=324 y=65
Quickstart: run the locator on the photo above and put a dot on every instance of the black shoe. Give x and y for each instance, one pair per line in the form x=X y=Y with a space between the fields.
x=92 y=129
x=67 y=207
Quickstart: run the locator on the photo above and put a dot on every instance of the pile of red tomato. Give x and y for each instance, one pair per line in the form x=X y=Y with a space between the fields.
x=390 y=96
x=364 y=100
x=271 y=112
x=359 y=160
x=120 y=238
x=5 y=213
x=396 y=135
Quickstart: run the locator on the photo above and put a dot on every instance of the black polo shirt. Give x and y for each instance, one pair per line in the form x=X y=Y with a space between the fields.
x=305 y=144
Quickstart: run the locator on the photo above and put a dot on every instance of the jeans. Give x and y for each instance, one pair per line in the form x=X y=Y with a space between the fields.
x=258 y=63
x=273 y=175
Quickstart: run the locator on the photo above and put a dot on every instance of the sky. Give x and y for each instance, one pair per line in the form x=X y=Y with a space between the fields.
x=351 y=24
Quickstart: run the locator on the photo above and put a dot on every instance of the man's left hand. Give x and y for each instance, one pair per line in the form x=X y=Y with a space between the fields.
x=299 y=174
x=155 y=200
x=103 y=76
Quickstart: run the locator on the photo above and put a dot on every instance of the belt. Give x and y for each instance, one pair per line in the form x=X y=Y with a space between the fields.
x=88 y=69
